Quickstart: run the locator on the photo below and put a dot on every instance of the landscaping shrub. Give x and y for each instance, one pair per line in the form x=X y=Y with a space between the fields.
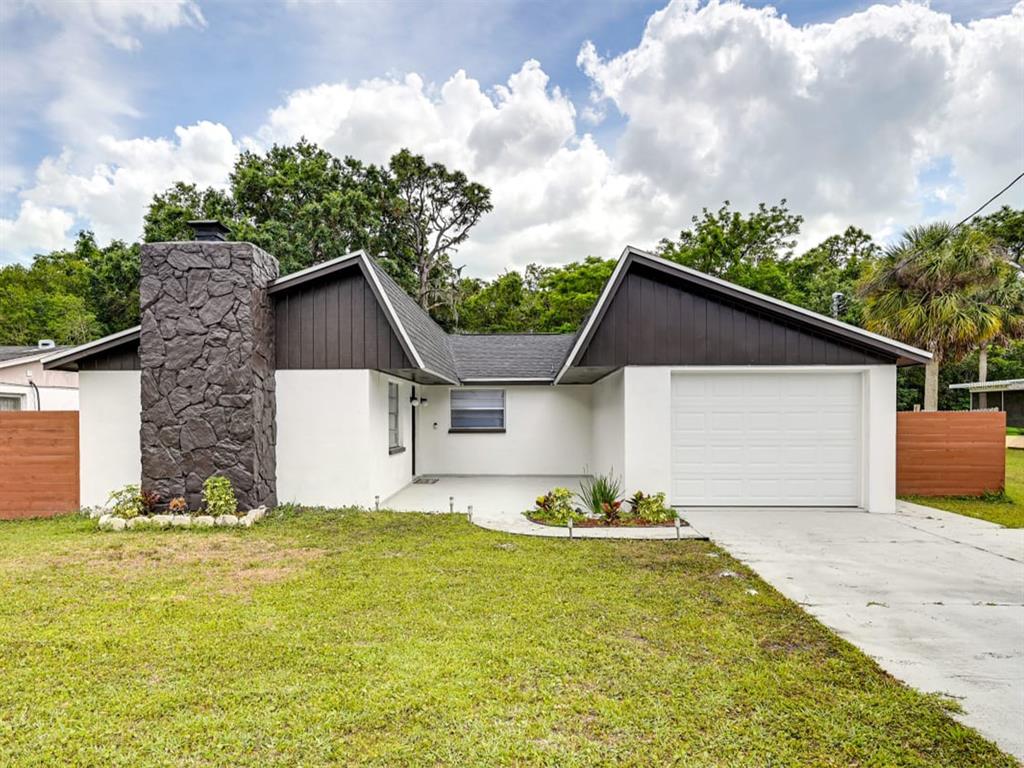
x=651 y=508
x=126 y=502
x=555 y=507
x=149 y=501
x=219 y=496
x=177 y=506
x=602 y=495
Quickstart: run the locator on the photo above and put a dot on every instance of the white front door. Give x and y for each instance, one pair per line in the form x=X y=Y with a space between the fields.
x=766 y=439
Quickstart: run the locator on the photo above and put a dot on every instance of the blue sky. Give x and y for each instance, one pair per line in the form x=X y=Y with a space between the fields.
x=109 y=79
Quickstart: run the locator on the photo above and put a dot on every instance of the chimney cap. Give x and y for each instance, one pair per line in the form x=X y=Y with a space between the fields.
x=209 y=229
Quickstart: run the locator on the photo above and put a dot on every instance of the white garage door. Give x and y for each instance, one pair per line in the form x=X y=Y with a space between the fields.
x=766 y=439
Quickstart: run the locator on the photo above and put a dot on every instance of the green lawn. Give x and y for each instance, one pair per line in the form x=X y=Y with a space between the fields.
x=1007 y=510
x=401 y=639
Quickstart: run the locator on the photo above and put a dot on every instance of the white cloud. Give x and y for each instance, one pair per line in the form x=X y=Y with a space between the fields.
x=113 y=196
x=727 y=102
x=717 y=101
x=35 y=229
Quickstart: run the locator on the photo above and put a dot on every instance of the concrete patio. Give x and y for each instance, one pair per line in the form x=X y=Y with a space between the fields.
x=498 y=503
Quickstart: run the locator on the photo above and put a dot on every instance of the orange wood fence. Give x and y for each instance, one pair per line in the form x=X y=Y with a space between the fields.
x=38 y=463
x=950 y=453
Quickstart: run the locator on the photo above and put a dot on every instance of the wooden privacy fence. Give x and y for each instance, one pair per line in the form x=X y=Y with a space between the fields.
x=38 y=463
x=950 y=453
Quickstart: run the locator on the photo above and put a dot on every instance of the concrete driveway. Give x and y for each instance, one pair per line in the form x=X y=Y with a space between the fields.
x=936 y=599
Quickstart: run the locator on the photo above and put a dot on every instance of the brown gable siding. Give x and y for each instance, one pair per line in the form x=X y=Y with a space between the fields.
x=654 y=320
x=121 y=358
x=334 y=323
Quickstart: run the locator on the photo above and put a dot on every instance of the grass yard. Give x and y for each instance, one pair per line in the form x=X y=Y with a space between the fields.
x=404 y=640
x=1007 y=510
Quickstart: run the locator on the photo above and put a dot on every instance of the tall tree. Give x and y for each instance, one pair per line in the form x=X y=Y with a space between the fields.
x=833 y=266
x=1006 y=227
x=932 y=289
x=434 y=211
x=748 y=249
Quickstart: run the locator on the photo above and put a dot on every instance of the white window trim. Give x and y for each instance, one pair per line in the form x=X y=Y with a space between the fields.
x=397 y=446
x=479 y=430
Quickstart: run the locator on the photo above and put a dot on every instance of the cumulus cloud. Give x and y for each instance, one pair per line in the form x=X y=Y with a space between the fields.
x=723 y=101
x=35 y=228
x=875 y=119
x=113 y=196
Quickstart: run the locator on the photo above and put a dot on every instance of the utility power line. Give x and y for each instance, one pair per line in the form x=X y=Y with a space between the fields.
x=988 y=202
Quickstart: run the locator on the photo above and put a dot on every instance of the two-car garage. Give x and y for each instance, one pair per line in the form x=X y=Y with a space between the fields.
x=766 y=438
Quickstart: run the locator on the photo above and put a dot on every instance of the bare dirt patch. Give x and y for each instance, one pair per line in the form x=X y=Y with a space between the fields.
x=240 y=561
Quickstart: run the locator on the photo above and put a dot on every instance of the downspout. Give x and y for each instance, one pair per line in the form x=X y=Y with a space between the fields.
x=414 y=416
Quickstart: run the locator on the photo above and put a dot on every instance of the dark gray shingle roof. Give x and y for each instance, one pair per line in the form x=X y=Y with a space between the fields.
x=427 y=337
x=510 y=356
x=12 y=353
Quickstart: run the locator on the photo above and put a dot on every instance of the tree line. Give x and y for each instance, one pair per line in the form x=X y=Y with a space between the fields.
x=955 y=291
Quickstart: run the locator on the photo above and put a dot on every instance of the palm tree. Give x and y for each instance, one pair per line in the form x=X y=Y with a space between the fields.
x=933 y=289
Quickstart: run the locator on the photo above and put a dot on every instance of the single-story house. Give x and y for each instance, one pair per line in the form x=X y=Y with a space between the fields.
x=1006 y=396
x=331 y=386
x=26 y=386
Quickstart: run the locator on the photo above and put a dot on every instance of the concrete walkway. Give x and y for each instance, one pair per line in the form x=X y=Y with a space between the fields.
x=936 y=599
x=498 y=504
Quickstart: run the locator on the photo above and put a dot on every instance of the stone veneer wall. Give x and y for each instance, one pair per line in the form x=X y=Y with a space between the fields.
x=207 y=357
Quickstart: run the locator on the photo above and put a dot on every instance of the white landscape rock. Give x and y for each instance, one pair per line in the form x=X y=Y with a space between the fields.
x=202 y=521
x=246 y=522
x=226 y=520
x=136 y=522
x=111 y=523
x=257 y=514
x=162 y=521
x=181 y=521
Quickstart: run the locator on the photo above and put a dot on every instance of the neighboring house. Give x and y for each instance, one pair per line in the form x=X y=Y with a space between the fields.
x=332 y=386
x=26 y=386
x=1006 y=396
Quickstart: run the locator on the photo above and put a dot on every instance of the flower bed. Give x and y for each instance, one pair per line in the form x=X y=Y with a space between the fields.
x=602 y=507
x=130 y=507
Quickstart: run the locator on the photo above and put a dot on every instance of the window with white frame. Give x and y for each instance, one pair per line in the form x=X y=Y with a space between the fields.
x=394 y=423
x=11 y=402
x=478 y=410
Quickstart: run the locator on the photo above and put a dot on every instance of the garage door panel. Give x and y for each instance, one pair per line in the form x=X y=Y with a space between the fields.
x=766 y=439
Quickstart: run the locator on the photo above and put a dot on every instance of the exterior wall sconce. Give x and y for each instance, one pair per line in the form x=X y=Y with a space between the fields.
x=415 y=401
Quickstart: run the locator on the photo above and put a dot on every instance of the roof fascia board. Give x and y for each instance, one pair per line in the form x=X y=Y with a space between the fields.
x=67 y=356
x=844 y=329
x=509 y=380
x=371 y=275
x=24 y=359
x=314 y=272
x=599 y=311
x=631 y=254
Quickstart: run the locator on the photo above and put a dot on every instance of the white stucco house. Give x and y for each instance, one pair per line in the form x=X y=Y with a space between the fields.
x=677 y=382
x=26 y=386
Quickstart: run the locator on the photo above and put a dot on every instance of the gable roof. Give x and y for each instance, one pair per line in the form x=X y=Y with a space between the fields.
x=502 y=357
x=509 y=356
x=821 y=324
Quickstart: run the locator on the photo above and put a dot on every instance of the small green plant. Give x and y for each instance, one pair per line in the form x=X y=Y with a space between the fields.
x=126 y=502
x=219 y=496
x=650 y=508
x=177 y=506
x=555 y=507
x=602 y=495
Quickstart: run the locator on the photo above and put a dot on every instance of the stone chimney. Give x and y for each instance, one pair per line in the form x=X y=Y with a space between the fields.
x=207 y=356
